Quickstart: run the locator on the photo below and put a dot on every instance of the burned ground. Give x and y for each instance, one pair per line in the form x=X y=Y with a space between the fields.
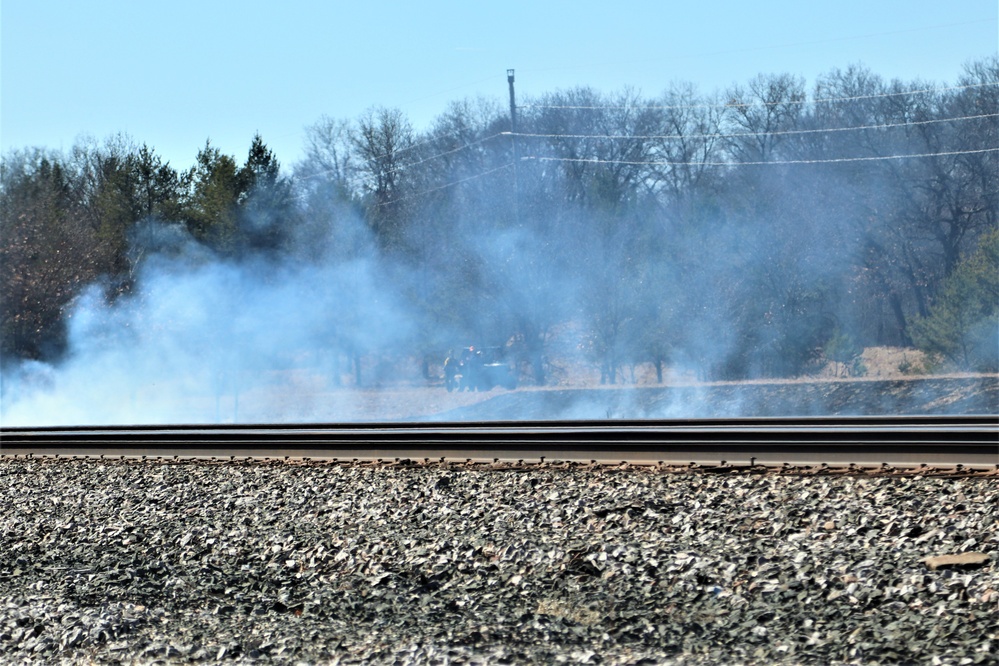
x=935 y=395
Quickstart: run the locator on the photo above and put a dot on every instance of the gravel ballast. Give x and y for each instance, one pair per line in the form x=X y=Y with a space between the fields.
x=173 y=562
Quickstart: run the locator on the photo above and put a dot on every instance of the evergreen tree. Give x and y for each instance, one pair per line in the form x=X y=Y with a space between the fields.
x=216 y=187
x=963 y=323
x=265 y=211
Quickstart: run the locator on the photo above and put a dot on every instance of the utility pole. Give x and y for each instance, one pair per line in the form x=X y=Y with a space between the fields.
x=513 y=103
x=513 y=139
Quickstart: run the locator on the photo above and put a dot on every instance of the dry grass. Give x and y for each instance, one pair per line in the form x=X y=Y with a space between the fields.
x=874 y=363
x=882 y=363
x=303 y=396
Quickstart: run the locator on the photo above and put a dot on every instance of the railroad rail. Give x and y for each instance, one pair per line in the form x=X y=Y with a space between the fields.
x=897 y=441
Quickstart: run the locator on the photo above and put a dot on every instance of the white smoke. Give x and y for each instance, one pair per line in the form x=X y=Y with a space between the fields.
x=200 y=333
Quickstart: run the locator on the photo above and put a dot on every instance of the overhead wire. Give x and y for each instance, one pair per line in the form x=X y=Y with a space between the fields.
x=402 y=167
x=735 y=104
x=832 y=160
x=727 y=135
x=466 y=146
x=444 y=186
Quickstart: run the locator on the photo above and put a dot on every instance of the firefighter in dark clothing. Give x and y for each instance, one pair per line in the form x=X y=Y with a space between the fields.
x=450 y=371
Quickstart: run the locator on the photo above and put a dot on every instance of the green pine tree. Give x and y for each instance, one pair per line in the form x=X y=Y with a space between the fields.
x=963 y=324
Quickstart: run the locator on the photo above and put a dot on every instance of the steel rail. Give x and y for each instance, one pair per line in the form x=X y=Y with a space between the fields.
x=971 y=441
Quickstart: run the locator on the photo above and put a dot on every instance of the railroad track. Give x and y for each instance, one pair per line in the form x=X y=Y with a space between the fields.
x=968 y=441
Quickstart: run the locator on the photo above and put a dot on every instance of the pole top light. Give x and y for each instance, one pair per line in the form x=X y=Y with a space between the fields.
x=509 y=75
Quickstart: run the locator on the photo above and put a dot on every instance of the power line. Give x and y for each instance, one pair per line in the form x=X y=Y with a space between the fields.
x=445 y=153
x=445 y=185
x=541 y=158
x=734 y=104
x=750 y=134
x=401 y=167
x=471 y=144
x=834 y=160
x=406 y=149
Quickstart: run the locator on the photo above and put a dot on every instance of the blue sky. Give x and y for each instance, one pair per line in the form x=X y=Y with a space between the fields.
x=173 y=74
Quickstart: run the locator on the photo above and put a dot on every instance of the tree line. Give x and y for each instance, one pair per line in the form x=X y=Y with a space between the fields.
x=751 y=232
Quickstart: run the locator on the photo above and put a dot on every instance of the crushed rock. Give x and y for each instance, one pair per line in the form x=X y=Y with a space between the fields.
x=197 y=562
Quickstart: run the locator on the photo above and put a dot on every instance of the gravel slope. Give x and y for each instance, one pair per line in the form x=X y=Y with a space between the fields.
x=154 y=562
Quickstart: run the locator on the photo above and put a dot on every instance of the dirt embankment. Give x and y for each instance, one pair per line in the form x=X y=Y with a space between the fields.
x=313 y=403
x=928 y=395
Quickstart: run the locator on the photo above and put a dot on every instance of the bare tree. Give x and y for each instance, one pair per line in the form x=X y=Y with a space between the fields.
x=686 y=142
x=330 y=159
x=381 y=141
x=50 y=251
x=759 y=112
